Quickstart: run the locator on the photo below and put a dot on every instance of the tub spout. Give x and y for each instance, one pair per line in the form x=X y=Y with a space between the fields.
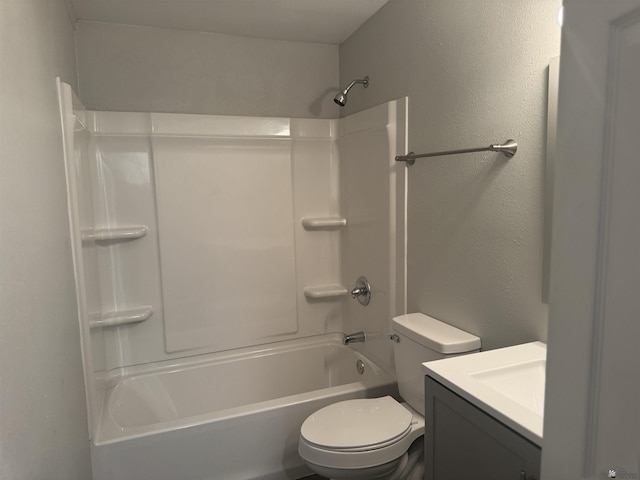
x=354 y=338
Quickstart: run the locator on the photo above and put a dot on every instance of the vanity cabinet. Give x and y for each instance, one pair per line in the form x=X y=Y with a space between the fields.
x=464 y=442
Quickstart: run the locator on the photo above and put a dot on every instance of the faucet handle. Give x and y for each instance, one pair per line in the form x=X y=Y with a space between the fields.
x=356 y=292
x=362 y=291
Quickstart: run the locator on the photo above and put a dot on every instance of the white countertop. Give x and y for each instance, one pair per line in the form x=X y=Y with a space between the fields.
x=507 y=383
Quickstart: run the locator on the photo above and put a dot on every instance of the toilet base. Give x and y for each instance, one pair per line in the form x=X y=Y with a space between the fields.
x=409 y=466
x=374 y=473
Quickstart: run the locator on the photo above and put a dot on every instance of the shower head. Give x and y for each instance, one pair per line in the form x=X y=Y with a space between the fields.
x=341 y=98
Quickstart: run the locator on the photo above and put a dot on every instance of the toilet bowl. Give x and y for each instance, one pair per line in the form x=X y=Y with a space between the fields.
x=371 y=438
x=362 y=438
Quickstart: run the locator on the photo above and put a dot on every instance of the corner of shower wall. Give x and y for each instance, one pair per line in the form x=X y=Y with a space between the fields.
x=319 y=222
x=373 y=191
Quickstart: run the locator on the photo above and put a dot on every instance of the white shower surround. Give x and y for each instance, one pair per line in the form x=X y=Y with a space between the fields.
x=120 y=177
x=214 y=250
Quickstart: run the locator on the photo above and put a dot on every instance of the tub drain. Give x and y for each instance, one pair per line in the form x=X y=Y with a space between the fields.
x=360 y=367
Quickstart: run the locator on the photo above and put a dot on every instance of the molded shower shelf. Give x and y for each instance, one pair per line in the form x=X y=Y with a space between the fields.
x=325 y=291
x=319 y=223
x=114 y=234
x=122 y=317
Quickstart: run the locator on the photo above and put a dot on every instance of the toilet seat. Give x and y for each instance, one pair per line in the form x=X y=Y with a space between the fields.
x=359 y=433
x=360 y=424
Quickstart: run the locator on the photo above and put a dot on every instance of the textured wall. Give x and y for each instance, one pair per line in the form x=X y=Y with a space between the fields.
x=475 y=73
x=43 y=424
x=126 y=68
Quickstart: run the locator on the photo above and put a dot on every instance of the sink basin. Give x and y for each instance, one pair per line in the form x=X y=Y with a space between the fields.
x=507 y=383
x=523 y=383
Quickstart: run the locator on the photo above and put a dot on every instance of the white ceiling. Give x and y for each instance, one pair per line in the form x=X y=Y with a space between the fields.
x=321 y=21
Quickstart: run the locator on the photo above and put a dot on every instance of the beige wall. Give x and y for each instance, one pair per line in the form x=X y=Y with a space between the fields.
x=43 y=425
x=475 y=74
x=126 y=68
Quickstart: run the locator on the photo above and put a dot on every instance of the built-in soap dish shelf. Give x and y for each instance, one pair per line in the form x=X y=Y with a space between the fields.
x=323 y=223
x=120 y=317
x=325 y=291
x=116 y=234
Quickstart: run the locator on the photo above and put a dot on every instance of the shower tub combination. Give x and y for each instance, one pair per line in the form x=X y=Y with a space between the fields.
x=211 y=254
x=235 y=415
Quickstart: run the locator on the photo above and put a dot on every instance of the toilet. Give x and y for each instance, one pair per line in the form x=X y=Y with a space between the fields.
x=380 y=438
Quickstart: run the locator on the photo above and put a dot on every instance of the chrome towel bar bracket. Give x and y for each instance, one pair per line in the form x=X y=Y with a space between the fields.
x=508 y=148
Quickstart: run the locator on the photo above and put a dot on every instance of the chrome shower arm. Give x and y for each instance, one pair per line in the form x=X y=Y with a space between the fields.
x=364 y=82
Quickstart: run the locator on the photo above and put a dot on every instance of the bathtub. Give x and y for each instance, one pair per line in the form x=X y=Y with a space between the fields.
x=234 y=415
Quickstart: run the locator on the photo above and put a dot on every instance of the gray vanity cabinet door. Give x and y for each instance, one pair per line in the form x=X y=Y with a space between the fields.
x=463 y=442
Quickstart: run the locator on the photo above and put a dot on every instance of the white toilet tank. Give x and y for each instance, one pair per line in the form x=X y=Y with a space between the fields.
x=422 y=338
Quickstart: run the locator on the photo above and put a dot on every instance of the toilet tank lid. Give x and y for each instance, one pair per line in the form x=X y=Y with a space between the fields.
x=434 y=334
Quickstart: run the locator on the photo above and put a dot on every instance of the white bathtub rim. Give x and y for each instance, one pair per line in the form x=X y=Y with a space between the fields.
x=115 y=376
